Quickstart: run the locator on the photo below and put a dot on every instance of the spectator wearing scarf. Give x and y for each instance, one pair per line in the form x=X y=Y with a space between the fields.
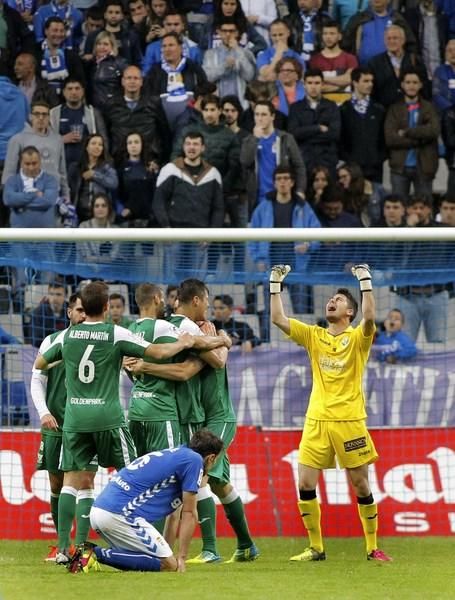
x=70 y=16
x=289 y=84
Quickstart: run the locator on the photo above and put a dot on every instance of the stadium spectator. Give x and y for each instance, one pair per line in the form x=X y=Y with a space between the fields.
x=183 y=468
x=175 y=78
x=320 y=179
x=263 y=13
x=364 y=33
x=261 y=91
x=58 y=62
x=30 y=82
x=315 y=123
x=96 y=175
x=67 y=14
x=173 y=22
x=411 y=137
x=393 y=345
x=443 y=88
x=388 y=66
x=93 y=21
x=49 y=144
x=447 y=211
x=289 y=84
x=337 y=397
x=195 y=188
x=104 y=70
x=221 y=145
x=172 y=295
x=393 y=212
x=267 y=60
x=423 y=304
x=248 y=35
x=116 y=313
x=49 y=316
x=101 y=217
x=331 y=210
x=137 y=175
x=335 y=64
x=363 y=198
x=74 y=120
x=284 y=208
x=16 y=36
x=362 y=127
x=139 y=15
x=265 y=149
x=31 y=194
x=430 y=26
x=343 y=10
x=133 y=110
x=14 y=111
x=240 y=332
x=229 y=65
x=306 y=27
x=115 y=22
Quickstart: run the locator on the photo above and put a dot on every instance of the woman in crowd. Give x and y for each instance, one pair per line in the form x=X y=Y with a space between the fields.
x=249 y=37
x=96 y=175
x=104 y=70
x=363 y=198
x=137 y=182
x=320 y=180
x=101 y=216
x=289 y=83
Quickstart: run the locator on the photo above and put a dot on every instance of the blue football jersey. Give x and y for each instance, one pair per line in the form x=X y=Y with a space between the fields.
x=151 y=487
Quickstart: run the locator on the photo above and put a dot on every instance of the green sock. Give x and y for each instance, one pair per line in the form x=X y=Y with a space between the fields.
x=159 y=525
x=206 y=512
x=85 y=499
x=54 y=509
x=66 y=512
x=233 y=507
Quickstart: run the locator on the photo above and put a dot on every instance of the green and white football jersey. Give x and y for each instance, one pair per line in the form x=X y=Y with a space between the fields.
x=56 y=389
x=188 y=392
x=153 y=398
x=92 y=355
x=216 y=398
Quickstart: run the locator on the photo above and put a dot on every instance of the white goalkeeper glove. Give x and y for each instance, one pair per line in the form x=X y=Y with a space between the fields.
x=277 y=275
x=363 y=274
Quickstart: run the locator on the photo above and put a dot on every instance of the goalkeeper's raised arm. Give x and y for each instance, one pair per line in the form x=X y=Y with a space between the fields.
x=277 y=276
x=363 y=274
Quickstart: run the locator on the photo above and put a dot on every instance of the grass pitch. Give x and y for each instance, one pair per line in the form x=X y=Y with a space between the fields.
x=422 y=570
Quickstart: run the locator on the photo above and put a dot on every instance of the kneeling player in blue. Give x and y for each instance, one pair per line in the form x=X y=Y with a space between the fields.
x=150 y=488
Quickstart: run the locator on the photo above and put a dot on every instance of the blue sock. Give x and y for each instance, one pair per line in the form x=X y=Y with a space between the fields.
x=126 y=560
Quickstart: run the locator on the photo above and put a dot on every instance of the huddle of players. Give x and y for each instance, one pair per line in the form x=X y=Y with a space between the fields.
x=179 y=386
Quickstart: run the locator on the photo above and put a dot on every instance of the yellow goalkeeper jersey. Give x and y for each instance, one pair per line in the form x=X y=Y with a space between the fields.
x=338 y=363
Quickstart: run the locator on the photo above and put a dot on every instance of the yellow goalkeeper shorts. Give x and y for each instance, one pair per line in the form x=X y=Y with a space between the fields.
x=349 y=441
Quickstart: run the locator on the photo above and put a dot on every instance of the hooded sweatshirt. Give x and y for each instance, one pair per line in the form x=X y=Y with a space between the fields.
x=13 y=113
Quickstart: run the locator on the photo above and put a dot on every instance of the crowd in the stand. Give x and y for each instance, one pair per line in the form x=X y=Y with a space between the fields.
x=158 y=115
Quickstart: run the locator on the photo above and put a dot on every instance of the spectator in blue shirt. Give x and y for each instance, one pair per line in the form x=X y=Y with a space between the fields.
x=394 y=345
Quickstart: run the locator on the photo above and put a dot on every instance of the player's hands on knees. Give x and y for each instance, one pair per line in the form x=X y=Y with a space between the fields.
x=363 y=274
x=277 y=276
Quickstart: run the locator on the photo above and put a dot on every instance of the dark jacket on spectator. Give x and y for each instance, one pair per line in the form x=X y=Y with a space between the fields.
x=448 y=135
x=104 y=79
x=423 y=138
x=317 y=147
x=239 y=331
x=362 y=138
x=387 y=88
x=294 y=21
x=19 y=38
x=129 y=48
x=156 y=81
x=415 y=19
x=147 y=118
x=182 y=200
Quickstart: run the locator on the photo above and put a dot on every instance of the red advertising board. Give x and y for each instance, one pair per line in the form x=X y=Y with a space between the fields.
x=413 y=483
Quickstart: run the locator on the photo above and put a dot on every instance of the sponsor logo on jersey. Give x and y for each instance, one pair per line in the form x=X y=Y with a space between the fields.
x=351 y=445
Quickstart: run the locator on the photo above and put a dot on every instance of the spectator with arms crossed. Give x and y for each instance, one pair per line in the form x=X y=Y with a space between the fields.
x=335 y=420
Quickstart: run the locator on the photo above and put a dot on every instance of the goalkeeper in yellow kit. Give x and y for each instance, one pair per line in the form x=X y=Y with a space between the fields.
x=335 y=420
